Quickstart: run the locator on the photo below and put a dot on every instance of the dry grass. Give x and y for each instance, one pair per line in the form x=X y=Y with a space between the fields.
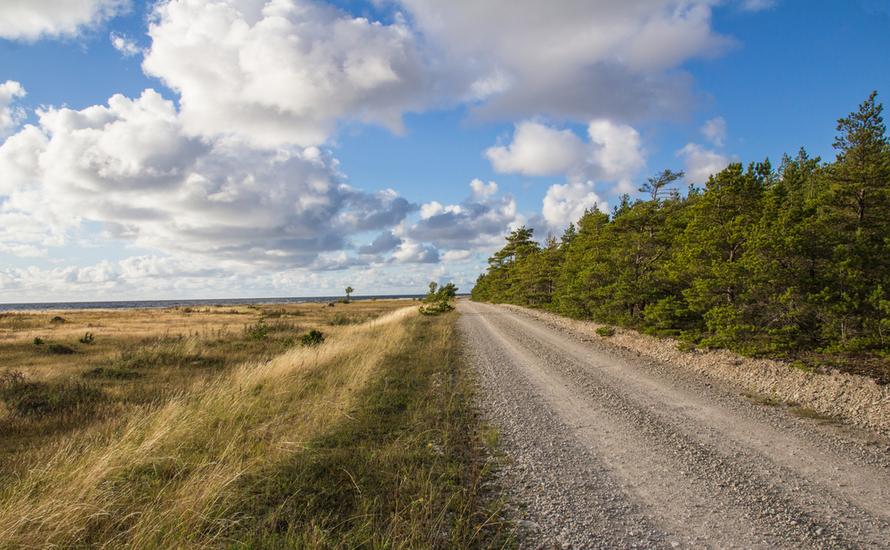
x=147 y=479
x=138 y=358
x=200 y=466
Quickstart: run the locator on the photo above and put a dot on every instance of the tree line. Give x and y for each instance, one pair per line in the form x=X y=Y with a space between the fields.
x=761 y=260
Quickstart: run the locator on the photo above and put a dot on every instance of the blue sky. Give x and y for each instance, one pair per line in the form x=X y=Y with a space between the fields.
x=234 y=187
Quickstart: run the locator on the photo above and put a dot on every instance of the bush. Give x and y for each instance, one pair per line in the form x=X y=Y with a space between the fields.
x=38 y=341
x=312 y=338
x=435 y=308
x=605 y=332
x=57 y=320
x=60 y=349
x=685 y=346
x=257 y=331
x=87 y=338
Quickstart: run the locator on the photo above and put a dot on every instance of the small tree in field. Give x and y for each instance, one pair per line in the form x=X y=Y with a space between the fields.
x=438 y=299
x=349 y=290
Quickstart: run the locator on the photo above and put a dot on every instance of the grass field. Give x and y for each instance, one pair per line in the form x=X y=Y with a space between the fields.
x=216 y=427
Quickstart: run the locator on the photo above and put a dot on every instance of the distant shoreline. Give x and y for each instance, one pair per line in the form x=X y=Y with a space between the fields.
x=140 y=304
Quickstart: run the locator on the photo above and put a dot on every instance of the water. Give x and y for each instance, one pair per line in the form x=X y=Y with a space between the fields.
x=125 y=304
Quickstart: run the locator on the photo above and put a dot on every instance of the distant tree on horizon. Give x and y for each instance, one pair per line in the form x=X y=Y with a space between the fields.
x=349 y=290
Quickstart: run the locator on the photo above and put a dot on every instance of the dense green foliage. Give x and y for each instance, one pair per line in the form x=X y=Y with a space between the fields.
x=761 y=260
x=438 y=299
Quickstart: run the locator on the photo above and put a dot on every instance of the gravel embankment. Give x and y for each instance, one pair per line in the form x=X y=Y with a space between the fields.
x=608 y=448
x=855 y=399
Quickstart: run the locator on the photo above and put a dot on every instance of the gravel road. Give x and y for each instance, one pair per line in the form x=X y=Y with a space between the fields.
x=605 y=449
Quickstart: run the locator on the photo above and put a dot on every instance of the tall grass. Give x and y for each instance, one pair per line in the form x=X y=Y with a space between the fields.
x=162 y=478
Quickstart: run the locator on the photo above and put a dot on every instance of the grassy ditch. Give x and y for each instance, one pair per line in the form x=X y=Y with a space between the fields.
x=368 y=439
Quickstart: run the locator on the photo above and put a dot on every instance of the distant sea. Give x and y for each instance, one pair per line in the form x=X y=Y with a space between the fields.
x=188 y=303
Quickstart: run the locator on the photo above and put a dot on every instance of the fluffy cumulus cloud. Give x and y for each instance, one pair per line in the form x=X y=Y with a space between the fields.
x=565 y=204
x=538 y=150
x=477 y=224
x=10 y=115
x=413 y=252
x=613 y=152
x=482 y=190
x=131 y=166
x=34 y=19
x=283 y=71
x=572 y=59
x=701 y=162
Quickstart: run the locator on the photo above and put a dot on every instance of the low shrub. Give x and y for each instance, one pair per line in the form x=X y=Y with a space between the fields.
x=278 y=313
x=112 y=373
x=60 y=349
x=257 y=331
x=87 y=338
x=165 y=353
x=340 y=320
x=38 y=341
x=312 y=338
x=436 y=308
x=57 y=320
x=605 y=332
x=685 y=346
x=26 y=399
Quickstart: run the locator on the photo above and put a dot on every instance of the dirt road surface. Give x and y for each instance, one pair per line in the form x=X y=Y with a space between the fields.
x=608 y=450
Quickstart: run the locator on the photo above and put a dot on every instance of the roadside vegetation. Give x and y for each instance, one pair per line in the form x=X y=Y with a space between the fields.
x=438 y=299
x=790 y=262
x=241 y=427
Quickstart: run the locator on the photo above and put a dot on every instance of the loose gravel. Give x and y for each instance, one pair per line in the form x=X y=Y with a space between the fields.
x=857 y=400
x=609 y=448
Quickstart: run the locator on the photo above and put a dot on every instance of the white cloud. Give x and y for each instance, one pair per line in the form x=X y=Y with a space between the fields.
x=482 y=190
x=715 y=131
x=617 y=153
x=131 y=166
x=538 y=150
x=10 y=116
x=456 y=255
x=412 y=252
x=284 y=71
x=126 y=46
x=701 y=162
x=614 y=152
x=566 y=203
x=34 y=19
x=475 y=224
x=575 y=59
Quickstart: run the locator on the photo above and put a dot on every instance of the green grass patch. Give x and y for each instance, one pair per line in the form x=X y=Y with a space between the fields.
x=26 y=399
x=404 y=469
x=605 y=332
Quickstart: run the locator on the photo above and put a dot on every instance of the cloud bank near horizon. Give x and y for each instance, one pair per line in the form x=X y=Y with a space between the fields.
x=238 y=171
